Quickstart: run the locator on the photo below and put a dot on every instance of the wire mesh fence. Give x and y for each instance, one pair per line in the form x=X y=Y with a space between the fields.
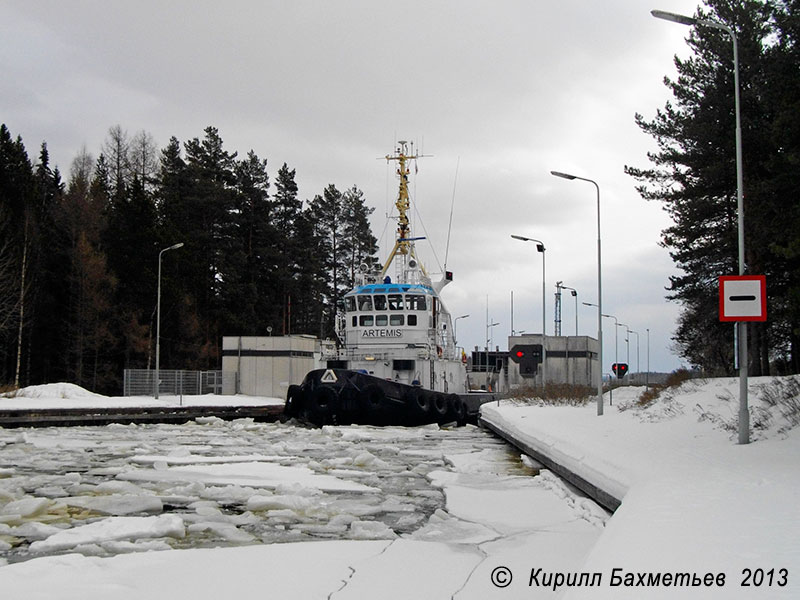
x=141 y=382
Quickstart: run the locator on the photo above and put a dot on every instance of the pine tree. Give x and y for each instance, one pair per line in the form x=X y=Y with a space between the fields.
x=289 y=269
x=361 y=245
x=694 y=175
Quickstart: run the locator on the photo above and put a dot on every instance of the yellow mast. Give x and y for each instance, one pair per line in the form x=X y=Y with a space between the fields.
x=403 y=245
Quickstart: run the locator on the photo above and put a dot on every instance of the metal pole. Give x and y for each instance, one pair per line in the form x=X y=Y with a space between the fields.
x=599 y=291
x=544 y=324
x=744 y=413
x=647 y=377
x=158 y=319
x=158 y=328
x=540 y=247
x=638 y=369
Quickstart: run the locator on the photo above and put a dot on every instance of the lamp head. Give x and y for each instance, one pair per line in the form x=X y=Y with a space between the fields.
x=562 y=175
x=674 y=17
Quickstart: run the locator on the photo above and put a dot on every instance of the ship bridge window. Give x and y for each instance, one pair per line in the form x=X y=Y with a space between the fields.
x=412 y=320
x=350 y=304
x=395 y=301
x=396 y=320
x=381 y=320
x=364 y=302
x=366 y=320
x=415 y=302
x=380 y=301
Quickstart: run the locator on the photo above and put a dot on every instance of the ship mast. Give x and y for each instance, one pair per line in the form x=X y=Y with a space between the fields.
x=404 y=245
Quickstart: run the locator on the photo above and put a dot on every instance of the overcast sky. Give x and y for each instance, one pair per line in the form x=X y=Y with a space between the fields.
x=497 y=93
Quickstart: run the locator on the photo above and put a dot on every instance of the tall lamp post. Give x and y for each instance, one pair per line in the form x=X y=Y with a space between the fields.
x=574 y=295
x=599 y=291
x=627 y=343
x=647 y=377
x=158 y=318
x=540 y=247
x=744 y=415
x=636 y=333
x=455 y=321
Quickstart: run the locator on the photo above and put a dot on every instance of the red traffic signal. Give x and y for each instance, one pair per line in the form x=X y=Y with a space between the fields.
x=619 y=369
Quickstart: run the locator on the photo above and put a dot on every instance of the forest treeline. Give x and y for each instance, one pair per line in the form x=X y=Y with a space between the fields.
x=693 y=173
x=79 y=258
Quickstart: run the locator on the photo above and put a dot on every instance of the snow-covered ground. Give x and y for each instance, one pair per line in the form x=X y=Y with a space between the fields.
x=67 y=395
x=693 y=501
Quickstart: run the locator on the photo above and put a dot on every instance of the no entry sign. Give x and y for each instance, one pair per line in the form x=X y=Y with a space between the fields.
x=743 y=298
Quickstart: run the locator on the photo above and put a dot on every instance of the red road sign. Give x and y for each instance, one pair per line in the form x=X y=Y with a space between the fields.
x=743 y=298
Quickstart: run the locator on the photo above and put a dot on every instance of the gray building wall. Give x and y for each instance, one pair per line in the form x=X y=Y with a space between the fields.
x=570 y=359
x=267 y=366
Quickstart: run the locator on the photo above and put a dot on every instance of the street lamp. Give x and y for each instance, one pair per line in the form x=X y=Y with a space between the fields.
x=158 y=318
x=647 y=377
x=574 y=295
x=744 y=415
x=540 y=247
x=489 y=336
x=455 y=343
x=627 y=343
x=638 y=371
x=599 y=291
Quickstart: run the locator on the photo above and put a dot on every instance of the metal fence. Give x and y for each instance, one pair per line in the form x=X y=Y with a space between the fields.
x=140 y=382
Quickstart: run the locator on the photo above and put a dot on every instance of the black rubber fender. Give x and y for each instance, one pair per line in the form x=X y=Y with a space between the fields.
x=440 y=405
x=458 y=408
x=417 y=407
x=372 y=400
x=294 y=401
x=323 y=402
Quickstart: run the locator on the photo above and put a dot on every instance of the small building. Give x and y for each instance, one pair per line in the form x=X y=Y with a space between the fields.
x=267 y=366
x=570 y=360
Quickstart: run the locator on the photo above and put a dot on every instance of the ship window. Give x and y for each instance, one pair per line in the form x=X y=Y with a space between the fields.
x=412 y=320
x=364 y=302
x=355 y=321
x=415 y=302
x=381 y=320
x=366 y=320
x=350 y=304
x=395 y=302
x=380 y=302
x=396 y=319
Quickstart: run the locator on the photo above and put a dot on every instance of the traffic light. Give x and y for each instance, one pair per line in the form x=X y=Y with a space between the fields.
x=619 y=369
x=528 y=357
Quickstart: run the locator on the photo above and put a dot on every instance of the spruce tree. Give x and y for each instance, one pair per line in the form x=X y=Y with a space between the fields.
x=694 y=175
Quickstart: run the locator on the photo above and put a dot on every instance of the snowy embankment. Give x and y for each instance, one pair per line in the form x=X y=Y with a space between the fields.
x=693 y=500
x=68 y=395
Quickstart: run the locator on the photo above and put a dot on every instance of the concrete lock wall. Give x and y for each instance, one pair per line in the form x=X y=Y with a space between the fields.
x=266 y=366
x=570 y=360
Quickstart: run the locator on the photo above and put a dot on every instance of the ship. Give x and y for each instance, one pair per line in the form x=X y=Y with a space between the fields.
x=396 y=361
